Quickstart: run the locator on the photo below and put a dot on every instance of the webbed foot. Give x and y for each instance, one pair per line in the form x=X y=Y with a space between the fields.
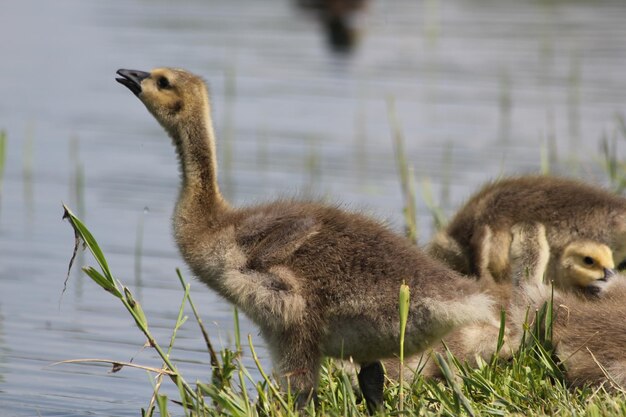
x=371 y=381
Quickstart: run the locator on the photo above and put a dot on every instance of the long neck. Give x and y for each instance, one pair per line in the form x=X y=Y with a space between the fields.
x=195 y=144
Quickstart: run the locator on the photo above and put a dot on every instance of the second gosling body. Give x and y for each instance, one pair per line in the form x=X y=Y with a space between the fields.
x=317 y=280
x=588 y=336
x=585 y=227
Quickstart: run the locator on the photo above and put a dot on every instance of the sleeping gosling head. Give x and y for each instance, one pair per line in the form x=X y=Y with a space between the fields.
x=584 y=263
x=173 y=96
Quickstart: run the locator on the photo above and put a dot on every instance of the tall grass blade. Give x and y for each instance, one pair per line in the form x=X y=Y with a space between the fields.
x=405 y=295
x=410 y=212
x=229 y=402
x=459 y=398
x=501 y=333
x=156 y=386
x=244 y=388
x=266 y=378
x=186 y=400
x=106 y=281
x=439 y=218
x=431 y=22
x=180 y=320
x=102 y=281
x=81 y=231
x=614 y=167
x=136 y=310
x=405 y=171
x=162 y=402
x=237 y=329
x=215 y=364
x=621 y=124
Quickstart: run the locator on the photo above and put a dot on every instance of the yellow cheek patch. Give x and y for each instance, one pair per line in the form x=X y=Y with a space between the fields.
x=586 y=262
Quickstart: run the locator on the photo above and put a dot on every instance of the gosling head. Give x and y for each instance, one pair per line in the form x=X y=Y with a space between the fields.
x=584 y=263
x=173 y=96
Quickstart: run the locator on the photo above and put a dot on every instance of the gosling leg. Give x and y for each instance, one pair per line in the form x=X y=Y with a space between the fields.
x=298 y=360
x=371 y=380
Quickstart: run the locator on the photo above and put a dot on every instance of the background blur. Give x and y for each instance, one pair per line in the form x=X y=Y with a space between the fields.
x=474 y=88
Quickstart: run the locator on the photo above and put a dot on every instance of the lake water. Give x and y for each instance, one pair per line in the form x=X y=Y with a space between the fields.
x=477 y=88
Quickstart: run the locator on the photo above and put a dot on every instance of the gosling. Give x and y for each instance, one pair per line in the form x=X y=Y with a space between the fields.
x=585 y=227
x=584 y=266
x=587 y=335
x=318 y=281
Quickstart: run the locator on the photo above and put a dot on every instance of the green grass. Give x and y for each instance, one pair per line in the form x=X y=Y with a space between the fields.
x=405 y=171
x=614 y=167
x=531 y=383
x=403 y=307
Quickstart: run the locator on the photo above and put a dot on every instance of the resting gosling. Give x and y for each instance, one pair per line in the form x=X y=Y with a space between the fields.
x=315 y=279
x=584 y=265
x=585 y=227
x=586 y=334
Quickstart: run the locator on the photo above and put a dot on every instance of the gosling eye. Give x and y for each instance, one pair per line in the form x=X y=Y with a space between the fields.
x=588 y=260
x=163 y=82
x=622 y=265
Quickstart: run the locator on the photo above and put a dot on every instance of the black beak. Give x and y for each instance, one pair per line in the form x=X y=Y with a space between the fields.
x=608 y=273
x=132 y=79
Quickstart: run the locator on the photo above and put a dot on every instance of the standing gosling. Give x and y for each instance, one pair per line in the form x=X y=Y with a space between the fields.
x=585 y=227
x=315 y=279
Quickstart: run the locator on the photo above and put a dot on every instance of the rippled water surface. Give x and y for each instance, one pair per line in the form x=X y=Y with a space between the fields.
x=477 y=88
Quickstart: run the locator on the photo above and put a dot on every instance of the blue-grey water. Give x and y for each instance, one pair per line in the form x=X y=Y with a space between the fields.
x=477 y=89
